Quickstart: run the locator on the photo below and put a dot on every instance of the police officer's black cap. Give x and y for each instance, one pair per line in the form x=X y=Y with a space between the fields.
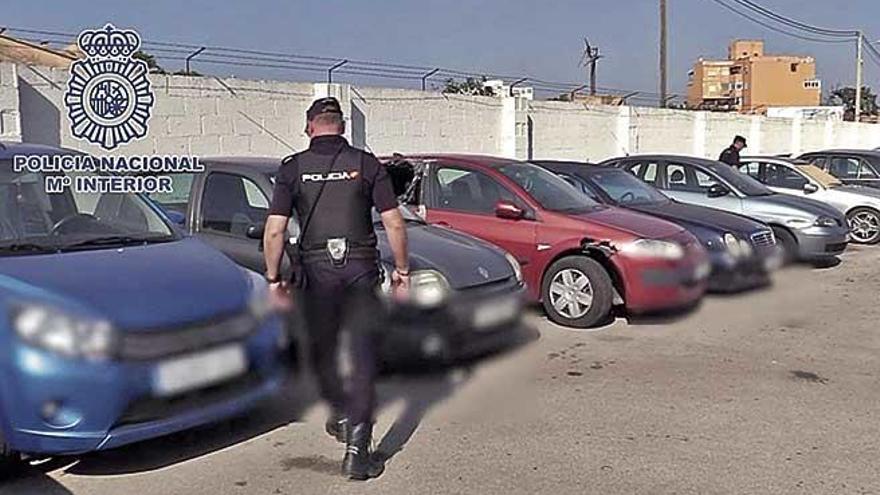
x=322 y=106
x=740 y=139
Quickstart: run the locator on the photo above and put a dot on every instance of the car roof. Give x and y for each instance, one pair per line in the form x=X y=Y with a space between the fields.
x=472 y=159
x=657 y=156
x=874 y=153
x=9 y=149
x=267 y=164
x=572 y=167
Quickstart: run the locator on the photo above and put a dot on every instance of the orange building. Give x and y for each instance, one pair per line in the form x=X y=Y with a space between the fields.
x=749 y=81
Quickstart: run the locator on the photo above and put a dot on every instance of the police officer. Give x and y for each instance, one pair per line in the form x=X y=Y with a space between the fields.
x=730 y=155
x=333 y=188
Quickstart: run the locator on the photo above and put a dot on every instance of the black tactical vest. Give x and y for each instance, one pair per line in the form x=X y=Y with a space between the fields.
x=344 y=209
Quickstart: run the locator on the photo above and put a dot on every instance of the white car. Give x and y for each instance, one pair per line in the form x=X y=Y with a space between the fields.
x=860 y=204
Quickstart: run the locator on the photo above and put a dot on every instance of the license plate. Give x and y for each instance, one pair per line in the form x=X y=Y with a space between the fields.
x=495 y=312
x=199 y=370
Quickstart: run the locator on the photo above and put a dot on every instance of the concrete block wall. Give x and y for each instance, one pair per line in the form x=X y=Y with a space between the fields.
x=406 y=121
x=10 y=114
x=573 y=131
x=229 y=116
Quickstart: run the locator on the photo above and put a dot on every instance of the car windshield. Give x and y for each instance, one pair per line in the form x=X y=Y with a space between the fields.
x=624 y=188
x=740 y=181
x=545 y=187
x=34 y=221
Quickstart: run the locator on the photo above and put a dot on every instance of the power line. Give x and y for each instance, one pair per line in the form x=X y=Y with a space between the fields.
x=766 y=12
x=777 y=28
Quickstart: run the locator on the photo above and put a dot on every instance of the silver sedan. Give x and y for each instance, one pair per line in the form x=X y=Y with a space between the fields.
x=860 y=204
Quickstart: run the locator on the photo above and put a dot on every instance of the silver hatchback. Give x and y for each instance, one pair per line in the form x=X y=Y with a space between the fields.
x=807 y=229
x=860 y=204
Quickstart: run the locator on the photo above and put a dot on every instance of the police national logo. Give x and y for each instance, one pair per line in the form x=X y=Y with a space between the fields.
x=108 y=96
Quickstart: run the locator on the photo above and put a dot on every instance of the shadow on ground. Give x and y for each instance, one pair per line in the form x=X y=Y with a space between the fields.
x=418 y=391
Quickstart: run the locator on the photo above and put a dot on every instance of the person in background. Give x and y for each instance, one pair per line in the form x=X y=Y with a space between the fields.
x=730 y=155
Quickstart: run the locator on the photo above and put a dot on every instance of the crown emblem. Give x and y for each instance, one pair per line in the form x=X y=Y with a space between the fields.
x=109 y=97
x=109 y=42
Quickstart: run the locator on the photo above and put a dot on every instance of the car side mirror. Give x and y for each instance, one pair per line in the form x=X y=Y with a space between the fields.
x=176 y=217
x=717 y=191
x=810 y=188
x=255 y=231
x=509 y=211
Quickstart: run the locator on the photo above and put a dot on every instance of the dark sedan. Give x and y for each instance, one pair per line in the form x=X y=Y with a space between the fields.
x=852 y=167
x=743 y=252
x=465 y=296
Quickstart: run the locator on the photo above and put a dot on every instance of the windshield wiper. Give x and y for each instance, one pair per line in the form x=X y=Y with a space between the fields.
x=28 y=247
x=114 y=240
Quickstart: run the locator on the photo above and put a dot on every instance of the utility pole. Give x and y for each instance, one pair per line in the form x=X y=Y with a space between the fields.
x=857 y=111
x=663 y=97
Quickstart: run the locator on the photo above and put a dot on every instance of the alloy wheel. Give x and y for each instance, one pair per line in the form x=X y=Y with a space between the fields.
x=571 y=293
x=864 y=226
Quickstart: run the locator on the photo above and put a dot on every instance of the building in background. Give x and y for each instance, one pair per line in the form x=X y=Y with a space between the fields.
x=500 y=89
x=24 y=52
x=751 y=81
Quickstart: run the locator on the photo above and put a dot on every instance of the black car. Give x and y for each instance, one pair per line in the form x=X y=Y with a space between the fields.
x=465 y=296
x=743 y=252
x=852 y=167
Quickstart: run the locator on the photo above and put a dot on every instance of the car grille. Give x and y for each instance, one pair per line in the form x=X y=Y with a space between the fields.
x=764 y=238
x=835 y=248
x=153 y=409
x=149 y=345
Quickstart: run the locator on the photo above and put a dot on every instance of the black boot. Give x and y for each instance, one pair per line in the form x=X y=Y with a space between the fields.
x=337 y=426
x=358 y=463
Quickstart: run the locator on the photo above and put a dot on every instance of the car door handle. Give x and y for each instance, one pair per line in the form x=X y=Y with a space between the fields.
x=443 y=224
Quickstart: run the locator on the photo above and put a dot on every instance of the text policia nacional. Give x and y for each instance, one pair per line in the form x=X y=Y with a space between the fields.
x=107 y=174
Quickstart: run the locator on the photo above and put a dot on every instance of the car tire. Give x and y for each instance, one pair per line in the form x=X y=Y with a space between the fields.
x=788 y=243
x=577 y=292
x=10 y=460
x=864 y=214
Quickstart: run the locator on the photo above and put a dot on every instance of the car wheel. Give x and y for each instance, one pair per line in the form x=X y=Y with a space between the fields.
x=864 y=225
x=10 y=460
x=788 y=243
x=577 y=292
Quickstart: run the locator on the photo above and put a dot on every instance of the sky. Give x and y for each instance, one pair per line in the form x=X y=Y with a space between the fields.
x=538 y=39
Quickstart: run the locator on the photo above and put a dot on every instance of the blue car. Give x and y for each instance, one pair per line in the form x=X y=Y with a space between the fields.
x=115 y=327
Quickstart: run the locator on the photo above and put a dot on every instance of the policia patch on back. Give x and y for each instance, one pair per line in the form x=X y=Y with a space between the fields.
x=352 y=186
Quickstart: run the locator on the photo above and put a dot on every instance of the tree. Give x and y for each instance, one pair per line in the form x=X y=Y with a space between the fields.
x=470 y=86
x=846 y=97
x=154 y=66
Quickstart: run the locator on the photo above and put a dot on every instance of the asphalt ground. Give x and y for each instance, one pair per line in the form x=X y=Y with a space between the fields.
x=773 y=391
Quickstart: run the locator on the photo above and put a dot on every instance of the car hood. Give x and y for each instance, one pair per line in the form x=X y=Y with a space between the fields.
x=632 y=222
x=137 y=288
x=462 y=259
x=803 y=205
x=702 y=217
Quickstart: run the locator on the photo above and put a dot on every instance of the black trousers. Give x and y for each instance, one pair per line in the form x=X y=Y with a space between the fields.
x=337 y=298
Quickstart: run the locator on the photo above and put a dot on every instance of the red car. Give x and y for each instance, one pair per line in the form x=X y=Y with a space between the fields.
x=578 y=258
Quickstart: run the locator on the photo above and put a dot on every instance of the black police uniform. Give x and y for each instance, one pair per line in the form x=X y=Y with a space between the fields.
x=338 y=292
x=730 y=156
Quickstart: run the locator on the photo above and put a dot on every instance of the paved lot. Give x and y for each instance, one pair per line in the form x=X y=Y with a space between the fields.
x=771 y=392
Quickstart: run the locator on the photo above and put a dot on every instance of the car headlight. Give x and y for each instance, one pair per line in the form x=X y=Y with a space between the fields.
x=798 y=223
x=64 y=333
x=258 y=298
x=824 y=221
x=736 y=246
x=514 y=264
x=652 y=248
x=428 y=288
